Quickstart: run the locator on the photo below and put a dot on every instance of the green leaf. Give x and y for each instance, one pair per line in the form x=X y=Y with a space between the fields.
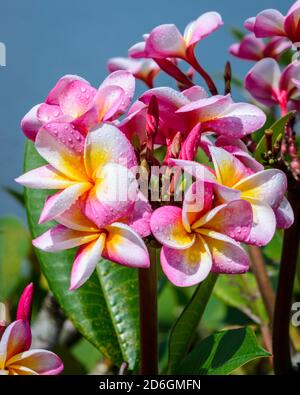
x=184 y=328
x=242 y=293
x=105 y=309
x=277 y=128
x=14 y=248
x=273 y=249
x=237 y=33
x=222 y=353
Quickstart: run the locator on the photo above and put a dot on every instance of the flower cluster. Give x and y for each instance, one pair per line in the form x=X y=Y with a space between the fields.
x=92 y=153
x=271 y=23
x=16 y=357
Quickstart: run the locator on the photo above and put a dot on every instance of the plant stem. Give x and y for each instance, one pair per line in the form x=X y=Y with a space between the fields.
x=148 y=316
x=191 y=58
x=263 y=281
x=281 y=336
x=170 y=68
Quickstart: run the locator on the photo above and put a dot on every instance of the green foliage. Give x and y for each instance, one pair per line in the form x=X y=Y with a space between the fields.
x=277 y=129
x=222 y=353
x=273 y=250
x=14 y=248
x=105 y=315
x=184 y=328
x=241 y=292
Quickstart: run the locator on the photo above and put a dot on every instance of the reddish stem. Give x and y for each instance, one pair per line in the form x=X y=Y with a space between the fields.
x=148 y=316
x=191 y=59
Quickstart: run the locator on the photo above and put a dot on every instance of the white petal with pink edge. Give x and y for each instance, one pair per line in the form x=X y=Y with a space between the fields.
x=62 y=201
x=86 y=261
x=187 y=267
x=44 y=177
x=61 y=238
x=15 y=339
x=126 y=247
x=227 y=255
x=36 y=361
x=284 y=214
x=268 y=186
x=264 y=223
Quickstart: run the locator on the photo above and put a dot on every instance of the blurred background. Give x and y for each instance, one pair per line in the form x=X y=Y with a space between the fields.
x=46 y=40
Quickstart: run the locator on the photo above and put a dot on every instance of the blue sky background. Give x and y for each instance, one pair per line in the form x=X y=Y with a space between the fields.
x=47 y=39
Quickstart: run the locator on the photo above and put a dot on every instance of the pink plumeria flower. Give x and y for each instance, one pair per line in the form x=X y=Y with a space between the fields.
x=198 y=242
x=269 y=86
x=76 y=166
x=166 y=41
x=16 y=358
x=270 y=23
x=184 y=110
x=117 y=242
x=143 y=69
x=74 y=100
x=263 y=189
x=252 y=48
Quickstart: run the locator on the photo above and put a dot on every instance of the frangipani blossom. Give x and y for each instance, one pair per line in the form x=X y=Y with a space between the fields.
x=166 y=41
x=98 y=165
x=117 y=242
x=269 y=86
x=195 y=243
x=74 y=100
x=252 y=48
x=143 y=69
x=264 y=190
x=217 y=113
x=16 y=358
x=270 y=23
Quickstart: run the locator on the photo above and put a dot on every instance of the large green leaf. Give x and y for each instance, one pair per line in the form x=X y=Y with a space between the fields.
x=277 y=129
x=222 y=353
x=14 y=248
x=183 y=331
x=105 y=309
x=242 y=293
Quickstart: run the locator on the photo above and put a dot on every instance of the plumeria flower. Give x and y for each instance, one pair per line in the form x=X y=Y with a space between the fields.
x=198 y=241
x=98 y=165
x=74 y=100
x=263 y=189
x=166 y=41
x=252 y=48
x=143 y=69
x=183 y=110
x=117 y=242
x=269 y=86
x=16 y=357
x=270 y=23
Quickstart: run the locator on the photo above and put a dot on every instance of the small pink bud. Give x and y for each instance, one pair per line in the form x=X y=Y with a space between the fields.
x=25 y=304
